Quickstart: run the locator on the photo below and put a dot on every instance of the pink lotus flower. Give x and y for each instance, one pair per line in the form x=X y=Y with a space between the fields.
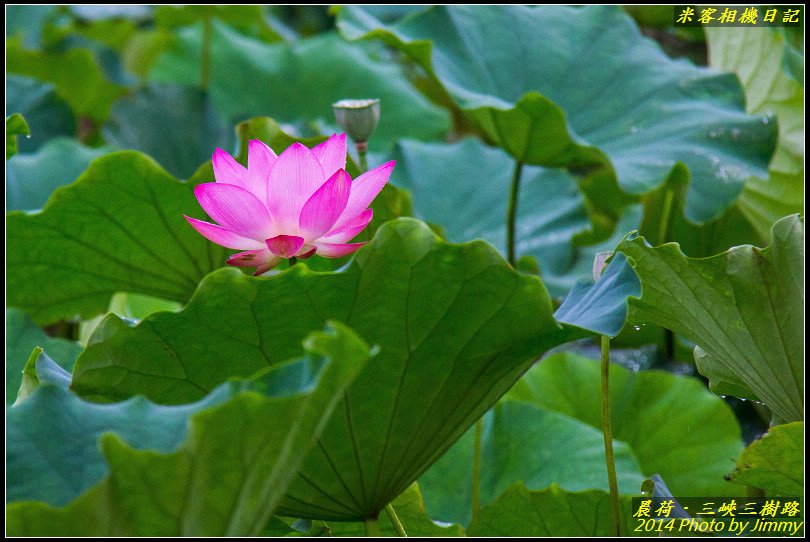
x=294 y=205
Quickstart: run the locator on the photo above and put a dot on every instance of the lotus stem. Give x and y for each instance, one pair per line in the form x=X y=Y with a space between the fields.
x=666 y=215
x=362 y=149
x=205 y=55
x=607 y=431
x=511 y=213
x=476 y=469
x=392 y=515
x=663 y=237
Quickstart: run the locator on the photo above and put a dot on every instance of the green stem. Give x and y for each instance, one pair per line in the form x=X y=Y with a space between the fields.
x=663 y=237
x=205 y=55
x=608 y=434
x=372 y=527
x=292 y=261
x=362 y=149
x=392 y=515
x=476 y=468
x=663 y=225
x=511 y=213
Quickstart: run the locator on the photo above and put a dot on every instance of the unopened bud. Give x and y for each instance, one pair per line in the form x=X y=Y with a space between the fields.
x=599 y=264
x=357 y=117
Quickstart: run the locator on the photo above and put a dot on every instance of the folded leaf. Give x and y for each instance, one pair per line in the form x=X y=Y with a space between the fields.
x=22 y=336
x=15 y=126
x=601 y=307
x=743 y=308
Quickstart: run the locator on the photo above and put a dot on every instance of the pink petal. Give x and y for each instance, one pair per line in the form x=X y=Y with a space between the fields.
x=262 y=259
x=325 y=206
x=331 y=154
x=221 y=236
x=285 y=246
x=235 y=209
x=364 y=189
x=336 y=250
x=351 y=228
x=295 y=176
x=260 y=161
x=227 y=170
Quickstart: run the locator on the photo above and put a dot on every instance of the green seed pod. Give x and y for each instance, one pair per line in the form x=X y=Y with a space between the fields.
x=357 y=117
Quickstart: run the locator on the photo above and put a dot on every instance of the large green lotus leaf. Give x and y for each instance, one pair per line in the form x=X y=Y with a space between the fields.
x=22 y=336
x=47 y=115
x=75 y=74
x=91 y=13
x=774 y=463
x=42 y=471
x=765 y=201
x=233 y=465
x=119 y=227
x=457 y=316
x=108 y=38
x=690 y=447
x=271 y=132
x=551 y=512
x=177 y=126
x=743 y=308
x=464 y=186
x=15 y=126
x=300 y=81
x=527 y=443
x=757 y=59
x=574 y=87
x=27 y=22
x=250 y=20
x=31 y=178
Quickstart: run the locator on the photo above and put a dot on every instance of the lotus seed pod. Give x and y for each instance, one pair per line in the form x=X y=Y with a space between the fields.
x=357 y=117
